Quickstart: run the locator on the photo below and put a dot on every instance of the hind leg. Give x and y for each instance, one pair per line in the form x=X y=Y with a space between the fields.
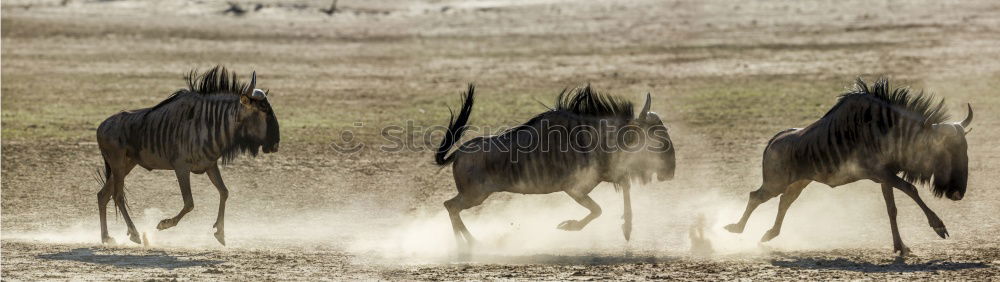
x=767 y=191
x=454 y=207
x=791 y=193
x=119 y=197
x=103 y=197
x=463 y=201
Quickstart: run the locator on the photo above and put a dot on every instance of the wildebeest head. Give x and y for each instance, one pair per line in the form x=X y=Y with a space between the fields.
x=951 y=167
x=660 y=149
x=259 y=127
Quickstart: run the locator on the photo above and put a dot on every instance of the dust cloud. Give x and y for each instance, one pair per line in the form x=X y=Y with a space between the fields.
x=525 y=225
x=512 y=227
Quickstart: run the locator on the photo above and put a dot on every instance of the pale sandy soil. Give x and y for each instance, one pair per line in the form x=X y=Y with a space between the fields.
x=725 y=76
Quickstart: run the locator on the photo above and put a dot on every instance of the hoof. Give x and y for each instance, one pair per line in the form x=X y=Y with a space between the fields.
x=107 y=240
x=570 y=225
x=902 y=251
x=937 y=225
x=221 y=236
x=941 y=231
x=769 y=235
x=734 y=228
x=166 y=223
x=134 y=237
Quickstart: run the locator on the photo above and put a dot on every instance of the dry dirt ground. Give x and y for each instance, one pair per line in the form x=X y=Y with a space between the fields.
x=725 y=75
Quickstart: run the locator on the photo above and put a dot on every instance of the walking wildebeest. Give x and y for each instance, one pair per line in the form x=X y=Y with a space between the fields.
x=217 y=116
x=588 y=138
x=872 y=133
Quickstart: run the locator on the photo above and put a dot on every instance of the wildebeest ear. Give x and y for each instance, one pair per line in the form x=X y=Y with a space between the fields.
x=245 y=100
x=645 y=108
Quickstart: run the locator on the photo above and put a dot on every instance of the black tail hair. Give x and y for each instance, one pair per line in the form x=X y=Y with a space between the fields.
x=456 y=126
x=102 y=179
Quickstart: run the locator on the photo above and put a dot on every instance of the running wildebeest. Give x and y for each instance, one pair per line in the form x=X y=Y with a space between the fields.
x=588 y=138
x=217 y=116
x=872 y=133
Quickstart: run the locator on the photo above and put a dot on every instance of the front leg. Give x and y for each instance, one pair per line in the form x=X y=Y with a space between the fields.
x=910 y=190
x=627 y=216
x=184 y=179
x=216 y=177
x=585 y=201
x=890 y=205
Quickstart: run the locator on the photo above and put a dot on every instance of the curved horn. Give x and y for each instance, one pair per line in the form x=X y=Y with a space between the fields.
x=968 y=118
x=645 y=108
x=253 y=82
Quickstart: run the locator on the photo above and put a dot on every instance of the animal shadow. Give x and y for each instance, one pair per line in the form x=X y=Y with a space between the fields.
x=152 y=259
x=867 y=267
x=570 y=259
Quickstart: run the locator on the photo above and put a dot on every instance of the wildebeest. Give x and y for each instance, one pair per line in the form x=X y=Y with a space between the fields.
x=588 y=138
x=216 y=117
x=889 y=136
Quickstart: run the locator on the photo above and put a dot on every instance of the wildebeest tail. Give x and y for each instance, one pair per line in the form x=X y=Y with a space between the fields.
x=103 y=178
x=456 y=126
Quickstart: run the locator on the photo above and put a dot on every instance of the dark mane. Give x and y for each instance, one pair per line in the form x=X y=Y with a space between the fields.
x=920 y=104
x=588 y=102
x=584 y=102
x=216 y=81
